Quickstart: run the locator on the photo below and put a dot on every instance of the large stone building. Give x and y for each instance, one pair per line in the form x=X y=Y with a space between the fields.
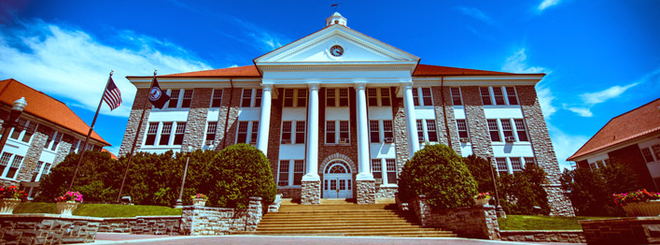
x=338 y=113
x=631 y=139
x=47 y=131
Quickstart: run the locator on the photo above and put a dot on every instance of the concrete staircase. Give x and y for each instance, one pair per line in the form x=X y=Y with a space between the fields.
x=342 y=218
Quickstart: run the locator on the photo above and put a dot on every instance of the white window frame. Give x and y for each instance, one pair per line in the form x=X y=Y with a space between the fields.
x=456 y=94
x=338 y=97
x=291 y=172
x=338 y=132
x=505 y=95
x=425 y=130
x=159 y=130
x=255 y=98
x=10 y=162
x=214 y=94
x=419 y=97
x=250 y=130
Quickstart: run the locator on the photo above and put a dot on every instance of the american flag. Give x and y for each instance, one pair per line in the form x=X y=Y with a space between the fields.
x=112 y=95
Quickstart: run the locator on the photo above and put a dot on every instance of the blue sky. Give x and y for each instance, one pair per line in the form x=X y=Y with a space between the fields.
x=602 y=57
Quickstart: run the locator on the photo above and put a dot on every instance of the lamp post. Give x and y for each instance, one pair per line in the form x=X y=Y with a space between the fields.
x=179 y=202
x=16 y=111
x=498 y=208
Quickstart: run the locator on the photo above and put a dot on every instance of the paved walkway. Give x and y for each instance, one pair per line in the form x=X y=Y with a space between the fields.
x=118 y=238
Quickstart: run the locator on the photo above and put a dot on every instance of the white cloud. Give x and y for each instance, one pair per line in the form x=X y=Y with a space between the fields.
x=547 y=3
x=545 y=99
x=564 y=144
x=517 y=63
x=70 y=63
x=262 y=39
x=475 y=13
x=582 y=111
x=604 y=95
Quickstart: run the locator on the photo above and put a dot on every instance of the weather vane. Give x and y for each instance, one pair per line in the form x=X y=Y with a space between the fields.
x=336 y=6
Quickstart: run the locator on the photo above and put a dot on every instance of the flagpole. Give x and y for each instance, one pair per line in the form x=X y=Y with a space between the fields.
x=137 y=134
x=89 y=133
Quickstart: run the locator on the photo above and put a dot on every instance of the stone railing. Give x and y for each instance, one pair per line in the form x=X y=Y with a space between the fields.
x=221 y=221
x=152 y=225
x=275 y=206
x=47 y=229
x=473 y=222
x=543 y=236
x=635 y=230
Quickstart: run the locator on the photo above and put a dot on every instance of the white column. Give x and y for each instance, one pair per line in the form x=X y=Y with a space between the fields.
x=312 y=135
x=411 y=120
x=364 y=172
x=264 y=120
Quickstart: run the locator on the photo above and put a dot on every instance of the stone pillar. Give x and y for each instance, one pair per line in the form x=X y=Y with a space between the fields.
x=133 y=120
x=311 y=181
x=411 y=120
x=365 y=183
x=445 y=119
x=264 y=120
x=255 y=208
x=32 y=156
x=195 y=133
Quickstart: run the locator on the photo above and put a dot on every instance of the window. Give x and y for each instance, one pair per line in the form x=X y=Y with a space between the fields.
x=432 y=131
x=180 y=132
x=74 y=145
x=420 y=131
x=656 y=151
x=300 y=132
x=376 y=168
x=37 y=170
x=211 y=129
x=427 y=131
x=151 y=133
x=485 y=96
x=378 y=97
x=499 y=96
x=511 y=94
x=385 y=97
x=56 y=141
x=286 y=132
x=7 y=170
x=343 y=97
x=246 y=98
x=456 y=96
x=216 y=100
x=390 y=163
x=165 y=134
x=330 y=97
x=415 y=97
x=15 y=165
x=29 y=131
x=283 y=176
x=516 y=165
x=174 y=99
x=187 y=98
x=462 y=130
x=389 y=175
x=501 y=164
x=257 y=98
x=388 y=134
x=425 y=100
x=494 y=130
x=301 y=97
x=298 y=171
x=374 y=129
x=51 y=134
x=4 y=162
x=341 y=136
x=372 y=94
x=507 y=130
x=20 y=127
x=246 y=128
x=529 y=161
x=520 y=129
x=648 y=157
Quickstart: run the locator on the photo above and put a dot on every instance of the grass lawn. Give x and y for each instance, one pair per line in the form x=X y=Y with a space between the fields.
x=537 y=222
x=100 y=210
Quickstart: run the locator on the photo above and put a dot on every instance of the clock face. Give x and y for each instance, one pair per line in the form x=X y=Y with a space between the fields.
x=336 y=51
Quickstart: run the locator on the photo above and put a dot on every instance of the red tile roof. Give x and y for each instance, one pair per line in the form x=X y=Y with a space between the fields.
x=640 y=122
x=45 y=107
x=422 y=70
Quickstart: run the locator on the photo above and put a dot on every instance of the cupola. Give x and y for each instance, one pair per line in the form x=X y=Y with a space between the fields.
x=335 y=18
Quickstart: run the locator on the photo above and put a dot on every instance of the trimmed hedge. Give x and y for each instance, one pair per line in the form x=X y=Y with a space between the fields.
x=439 y=173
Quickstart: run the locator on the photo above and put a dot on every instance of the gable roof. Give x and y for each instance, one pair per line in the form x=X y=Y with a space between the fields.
x=421 y=71
x=640 y=122
x=45 y=107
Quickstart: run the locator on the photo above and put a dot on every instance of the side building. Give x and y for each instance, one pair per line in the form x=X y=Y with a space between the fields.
x=46 y=132
x=338 y=114
x=631 y=139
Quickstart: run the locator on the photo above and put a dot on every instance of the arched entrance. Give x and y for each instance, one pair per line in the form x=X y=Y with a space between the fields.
x=337 y=180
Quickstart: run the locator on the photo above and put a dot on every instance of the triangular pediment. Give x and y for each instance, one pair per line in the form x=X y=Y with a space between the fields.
x=356 y=48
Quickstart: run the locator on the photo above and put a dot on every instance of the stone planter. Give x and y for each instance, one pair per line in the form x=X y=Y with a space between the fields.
x=7 y=205
x=650 y=208
x=199 y=202
x=481 y=202
x=66 y=208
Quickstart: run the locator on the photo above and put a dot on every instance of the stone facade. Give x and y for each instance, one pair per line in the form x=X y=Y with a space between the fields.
x=444 y=117
x=543 y=236
x=195 y=133
x=196 y=221
x=476 y=120
x=639 y=230
x=366 y=191
x=47 y=229
x=310 y=192
x=151 y=225
x=32 y=156
x=473 y=222
x=226 y=132
x=134 y=120
x=544 y=153
x=400 y=133
x=62 y=150
x=385 y=192
x=274 y=134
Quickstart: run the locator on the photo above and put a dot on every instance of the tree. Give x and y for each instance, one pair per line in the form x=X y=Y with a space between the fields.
x=439 y=173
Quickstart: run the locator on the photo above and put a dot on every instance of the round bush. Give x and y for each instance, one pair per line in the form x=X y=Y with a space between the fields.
x=241 y=171
x=439 y=173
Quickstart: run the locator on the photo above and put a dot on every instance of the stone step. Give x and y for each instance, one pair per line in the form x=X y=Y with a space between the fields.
x=356 y=228
x=295 y=223
x=353 y=233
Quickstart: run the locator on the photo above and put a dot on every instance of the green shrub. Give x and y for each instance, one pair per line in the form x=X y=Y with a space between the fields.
x=241 y=171
x=591 y=191
x=439 y=173
x=521 y=191
x=480 y=169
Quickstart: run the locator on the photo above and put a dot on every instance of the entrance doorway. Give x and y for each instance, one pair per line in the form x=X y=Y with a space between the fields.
x=337 y=180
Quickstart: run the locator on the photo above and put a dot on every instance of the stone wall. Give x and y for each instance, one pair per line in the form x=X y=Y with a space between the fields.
x=444 y=117
x=152 y=225
x=32 y=156
x=62 y=150
x=289 y=192
x=134 y=120
x=385 y=192
x=400 y=133
x=638 y=230
x=310 y=192
x=228 y=116
x=366 y=191
x=543 y=236
x=198 y=221
x=47 y=229
x=275 y=206
x=195 y=133
x=473 y=222
x=476 y=121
